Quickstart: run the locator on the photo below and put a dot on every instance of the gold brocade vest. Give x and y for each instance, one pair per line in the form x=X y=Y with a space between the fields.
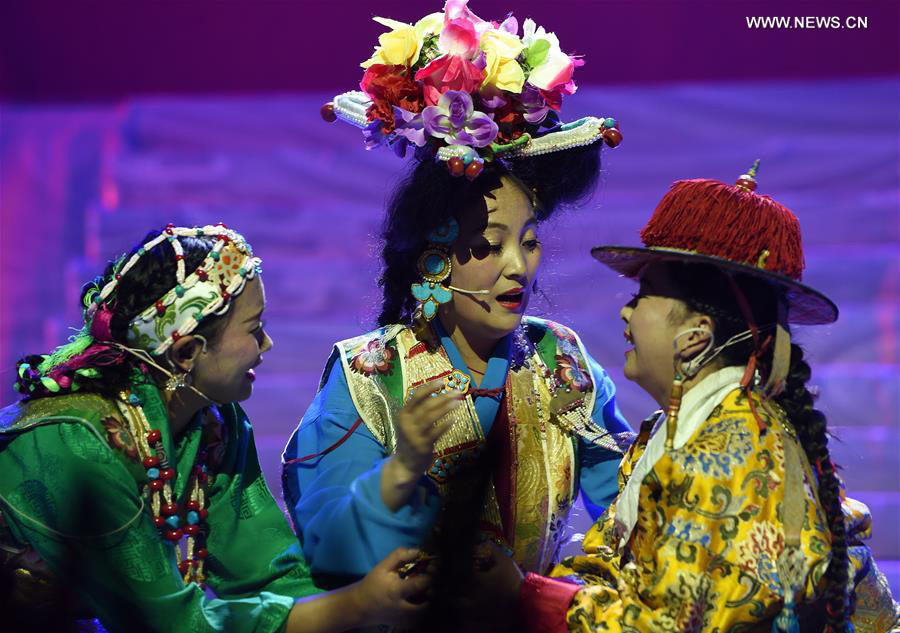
x=549 y=396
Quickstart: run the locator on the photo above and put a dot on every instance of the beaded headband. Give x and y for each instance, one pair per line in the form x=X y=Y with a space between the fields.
x=466 y=90
x=206 y=291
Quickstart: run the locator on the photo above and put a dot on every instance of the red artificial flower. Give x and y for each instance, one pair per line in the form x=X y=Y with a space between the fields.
x=449 y=72
x=510 y=121
x=389 y=86
x=554 y=97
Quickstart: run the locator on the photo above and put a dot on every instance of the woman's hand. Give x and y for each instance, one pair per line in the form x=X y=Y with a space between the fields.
x=387 y=595
x=419 y=426
x=382 y=597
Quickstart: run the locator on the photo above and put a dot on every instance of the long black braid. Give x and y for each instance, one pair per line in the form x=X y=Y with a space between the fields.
x=811 y=427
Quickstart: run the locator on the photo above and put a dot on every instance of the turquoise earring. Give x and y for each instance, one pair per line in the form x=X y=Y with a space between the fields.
x=434 y=267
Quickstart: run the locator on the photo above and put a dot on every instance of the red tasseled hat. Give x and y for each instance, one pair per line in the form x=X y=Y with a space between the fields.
x=729 y=226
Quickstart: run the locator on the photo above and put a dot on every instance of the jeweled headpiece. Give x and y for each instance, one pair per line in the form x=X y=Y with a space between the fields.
x=207 y=290
x=465 y=90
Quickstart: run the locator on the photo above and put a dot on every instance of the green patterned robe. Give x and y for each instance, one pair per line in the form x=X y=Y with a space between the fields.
x=70 y=495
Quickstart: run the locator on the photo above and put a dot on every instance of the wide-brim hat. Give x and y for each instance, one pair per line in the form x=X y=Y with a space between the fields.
x=734 y=229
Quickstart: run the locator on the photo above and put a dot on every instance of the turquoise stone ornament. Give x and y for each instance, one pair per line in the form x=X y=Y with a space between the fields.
x=445 y=233
x=430 y=295
x=434 y=264
x=469 y=155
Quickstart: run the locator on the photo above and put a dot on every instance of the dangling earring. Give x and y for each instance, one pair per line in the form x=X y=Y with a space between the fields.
x=178 y=380
x=683 y=371
x=434 y=267
x=672 y=412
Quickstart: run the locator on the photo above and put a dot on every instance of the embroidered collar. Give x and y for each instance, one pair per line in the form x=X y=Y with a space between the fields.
x=696 y=407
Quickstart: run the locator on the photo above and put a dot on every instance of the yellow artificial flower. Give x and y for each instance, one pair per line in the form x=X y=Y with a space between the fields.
x=430 y=24
x=501 y=68
x=402 y=44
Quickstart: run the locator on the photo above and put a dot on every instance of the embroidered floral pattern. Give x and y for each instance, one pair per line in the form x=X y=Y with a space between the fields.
x=373 y=357
x=119 y=437
x=688 y=531
x=758 y=551
x=562 y=333
x=718 y=449
x=570 y=375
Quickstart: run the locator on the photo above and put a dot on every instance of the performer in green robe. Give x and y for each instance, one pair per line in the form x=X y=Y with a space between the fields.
x=130 y=481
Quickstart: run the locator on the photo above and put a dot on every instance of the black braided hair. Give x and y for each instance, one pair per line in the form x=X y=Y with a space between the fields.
x=104 y=369
x=706 y=290
x=429 y=196
x=811 y=425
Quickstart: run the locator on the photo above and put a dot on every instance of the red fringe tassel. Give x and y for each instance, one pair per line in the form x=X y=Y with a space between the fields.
x=712 y=218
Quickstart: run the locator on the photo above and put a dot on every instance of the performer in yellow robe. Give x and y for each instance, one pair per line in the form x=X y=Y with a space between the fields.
x=730 y=516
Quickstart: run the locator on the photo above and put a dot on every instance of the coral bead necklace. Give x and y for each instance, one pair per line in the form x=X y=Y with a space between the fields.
x=173 y=522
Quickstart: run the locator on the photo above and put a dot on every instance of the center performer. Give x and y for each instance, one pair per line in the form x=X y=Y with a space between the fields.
x=458 y=387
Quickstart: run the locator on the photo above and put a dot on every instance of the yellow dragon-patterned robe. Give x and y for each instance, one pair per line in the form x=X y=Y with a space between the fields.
x=702 y=554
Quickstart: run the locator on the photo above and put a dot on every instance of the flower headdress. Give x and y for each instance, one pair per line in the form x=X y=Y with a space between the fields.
x=465 y=90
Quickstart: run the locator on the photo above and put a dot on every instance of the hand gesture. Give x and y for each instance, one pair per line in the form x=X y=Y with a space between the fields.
x=390 y=596
x=419 y=425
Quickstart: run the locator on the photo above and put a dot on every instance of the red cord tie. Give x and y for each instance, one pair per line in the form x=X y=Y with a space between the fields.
x=306 y=458
x=489 y=393
x=820 y=464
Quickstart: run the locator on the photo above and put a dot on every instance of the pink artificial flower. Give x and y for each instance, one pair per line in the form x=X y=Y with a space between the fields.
x=462 y=30
x=562 y=74
x=449 y=72
x=458 y=37
x=553 y=98
x=455 y=9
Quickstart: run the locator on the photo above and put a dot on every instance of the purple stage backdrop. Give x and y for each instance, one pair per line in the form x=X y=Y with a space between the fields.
x=82 y=178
